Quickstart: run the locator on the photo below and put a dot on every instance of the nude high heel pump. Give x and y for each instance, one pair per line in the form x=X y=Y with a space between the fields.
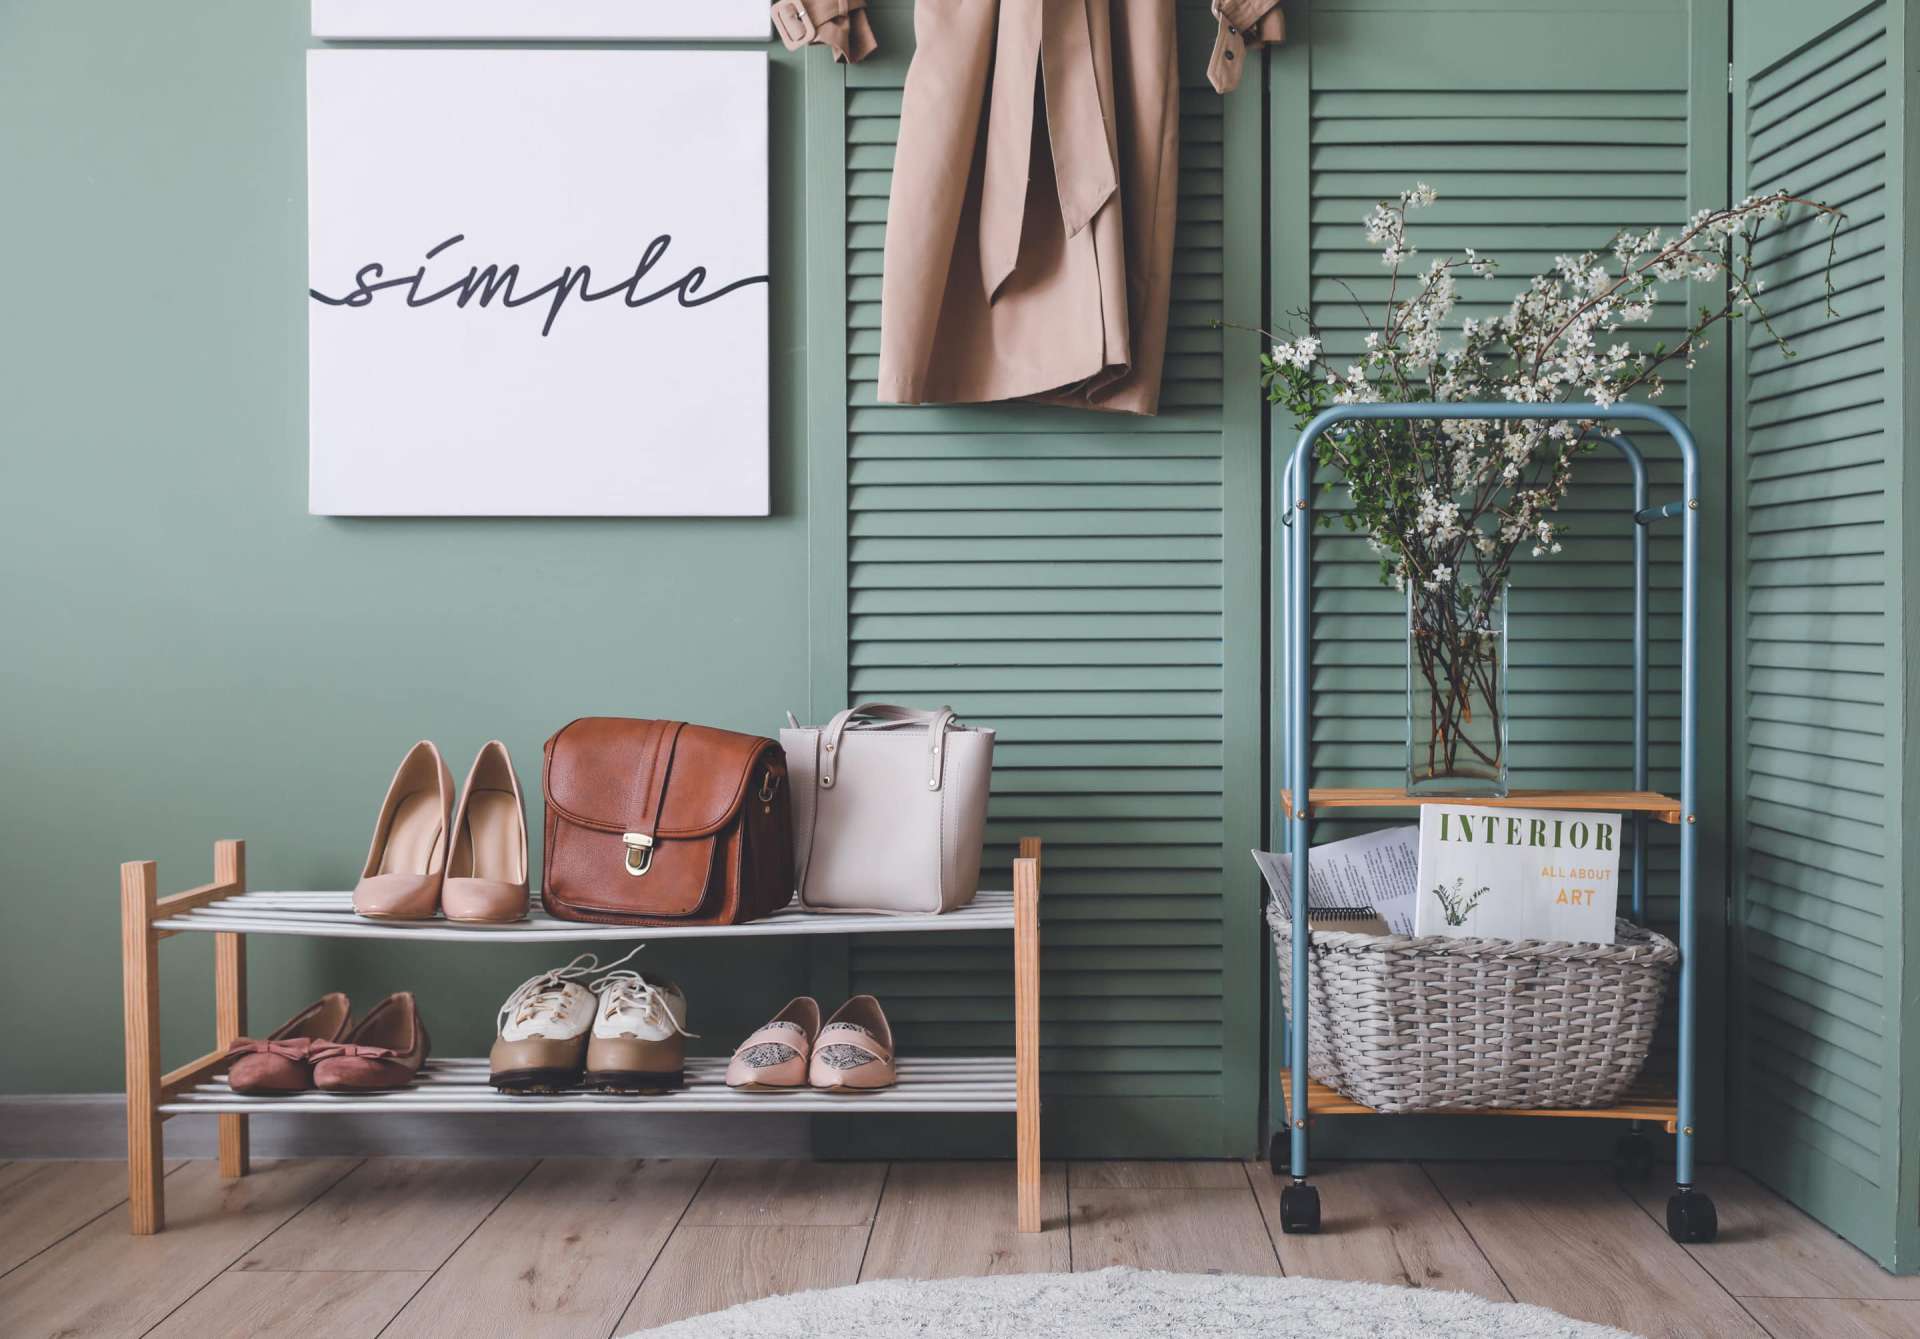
x=487 y=863
x=407 y=862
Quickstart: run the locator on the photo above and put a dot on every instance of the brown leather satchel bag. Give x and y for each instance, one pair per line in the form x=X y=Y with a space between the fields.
x=665 y=823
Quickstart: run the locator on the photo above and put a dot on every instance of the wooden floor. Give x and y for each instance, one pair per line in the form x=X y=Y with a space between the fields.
x=594 y=1248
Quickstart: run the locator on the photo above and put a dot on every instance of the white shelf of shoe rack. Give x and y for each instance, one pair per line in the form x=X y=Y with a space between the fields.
x=230 y=913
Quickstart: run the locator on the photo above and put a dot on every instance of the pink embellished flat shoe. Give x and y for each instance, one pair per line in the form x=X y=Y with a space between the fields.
x=775 y=1056
x=855 y=1050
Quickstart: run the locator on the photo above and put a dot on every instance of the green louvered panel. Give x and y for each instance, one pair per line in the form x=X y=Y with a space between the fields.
x=1061 y=576
x=1529 y=167
x=1817 y=894
x=1525 y=177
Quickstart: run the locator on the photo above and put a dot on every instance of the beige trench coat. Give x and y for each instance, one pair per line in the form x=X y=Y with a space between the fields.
x=1029 y=249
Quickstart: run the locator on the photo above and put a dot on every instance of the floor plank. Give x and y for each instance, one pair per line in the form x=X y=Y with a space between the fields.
x=102 y=1282
x=593 y=1248
x=41 y=1202
x=1830 y=1318
x=1568 y=1238
x=293 y=1306
x=791 y=1192
x=1187 y=1230
x=1217 y=1174
x=711 y=1268
x=391 y=1213
x=942 y=1220
x=1768 y=1248
x=562 y=1256
x=1381 y=1222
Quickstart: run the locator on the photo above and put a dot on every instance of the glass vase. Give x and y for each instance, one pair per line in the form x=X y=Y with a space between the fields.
x=1456 y=692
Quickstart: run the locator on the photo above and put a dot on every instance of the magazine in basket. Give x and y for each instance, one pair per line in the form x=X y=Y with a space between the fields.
x=1518 y=873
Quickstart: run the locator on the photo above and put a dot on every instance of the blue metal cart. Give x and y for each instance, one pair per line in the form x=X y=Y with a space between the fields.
x=1690 y=1213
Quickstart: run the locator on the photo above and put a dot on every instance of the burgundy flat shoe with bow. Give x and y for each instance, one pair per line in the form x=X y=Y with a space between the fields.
x=282 y=1062
x=385 y=1050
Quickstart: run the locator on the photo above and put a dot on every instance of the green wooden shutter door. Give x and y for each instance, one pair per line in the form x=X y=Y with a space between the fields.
x=1087 y=584
x=1533 y=158
x=1818 y=933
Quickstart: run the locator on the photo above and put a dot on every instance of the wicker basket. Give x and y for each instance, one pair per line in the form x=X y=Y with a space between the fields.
x=1433 y=1023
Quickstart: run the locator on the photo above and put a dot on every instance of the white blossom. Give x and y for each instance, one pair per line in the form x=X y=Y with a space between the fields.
x=1575 y=335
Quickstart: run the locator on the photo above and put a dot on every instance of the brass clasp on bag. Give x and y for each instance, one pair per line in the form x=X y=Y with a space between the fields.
x=639 y=845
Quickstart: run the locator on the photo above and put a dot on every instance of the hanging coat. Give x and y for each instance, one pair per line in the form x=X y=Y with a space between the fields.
x=1029 y=249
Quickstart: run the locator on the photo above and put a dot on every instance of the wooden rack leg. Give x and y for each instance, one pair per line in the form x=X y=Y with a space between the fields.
x=1026 y=1030
x=230 y=999
x=140 y=965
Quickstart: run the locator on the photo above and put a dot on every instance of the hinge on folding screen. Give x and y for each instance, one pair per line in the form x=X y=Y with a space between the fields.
x=1729 y=76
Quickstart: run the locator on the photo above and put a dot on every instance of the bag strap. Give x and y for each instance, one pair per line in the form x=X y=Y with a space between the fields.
x=653 y=795
x=884 y=716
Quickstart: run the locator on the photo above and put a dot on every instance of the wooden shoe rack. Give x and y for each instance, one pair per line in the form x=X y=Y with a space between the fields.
x=225 y=909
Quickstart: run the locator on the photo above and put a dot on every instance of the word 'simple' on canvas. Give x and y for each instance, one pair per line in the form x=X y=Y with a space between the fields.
x=538 y=283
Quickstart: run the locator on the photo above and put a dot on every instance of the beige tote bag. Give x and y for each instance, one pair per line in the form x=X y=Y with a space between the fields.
x=889 y=809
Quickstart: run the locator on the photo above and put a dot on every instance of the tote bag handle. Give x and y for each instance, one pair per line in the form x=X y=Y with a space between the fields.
x=883 y=716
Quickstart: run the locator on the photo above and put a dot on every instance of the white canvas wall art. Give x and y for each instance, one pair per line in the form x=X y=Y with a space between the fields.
x=537 y=283
x=557 y=20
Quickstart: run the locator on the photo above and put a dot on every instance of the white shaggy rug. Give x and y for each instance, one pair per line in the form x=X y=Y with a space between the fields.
x=1131 y=1304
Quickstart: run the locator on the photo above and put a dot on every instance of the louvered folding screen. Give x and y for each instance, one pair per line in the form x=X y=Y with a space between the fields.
x=1818 y=843
x=1087 y=584
x=1533 y=158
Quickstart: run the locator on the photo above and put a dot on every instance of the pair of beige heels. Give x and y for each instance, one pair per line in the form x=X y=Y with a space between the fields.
x=852 y=1053
x=430 y=858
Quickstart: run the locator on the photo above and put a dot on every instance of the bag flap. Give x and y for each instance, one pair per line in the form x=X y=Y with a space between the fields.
x=600 y=770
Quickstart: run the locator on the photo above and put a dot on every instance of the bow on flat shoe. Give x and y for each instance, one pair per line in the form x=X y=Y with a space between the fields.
x=331 y=1050
x=294 y=1048
x=282 y=1061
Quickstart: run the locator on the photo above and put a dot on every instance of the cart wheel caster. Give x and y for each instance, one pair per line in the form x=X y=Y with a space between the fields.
x=1691 y=1217
x=1633 y=1157
x=1278 y=1153
x=1299 y=1208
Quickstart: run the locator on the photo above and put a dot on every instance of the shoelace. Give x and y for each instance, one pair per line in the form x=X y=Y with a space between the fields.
x=541 y=998
x=620 y=991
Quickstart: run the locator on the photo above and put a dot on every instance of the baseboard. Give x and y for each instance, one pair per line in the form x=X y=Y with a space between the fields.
x=94 y=1125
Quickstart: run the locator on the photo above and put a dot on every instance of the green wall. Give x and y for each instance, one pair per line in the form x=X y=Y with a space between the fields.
x=188 y=655
x=191 y=656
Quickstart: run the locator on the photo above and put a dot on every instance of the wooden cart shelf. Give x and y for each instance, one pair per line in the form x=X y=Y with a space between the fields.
x=225 y=909
x=1647 y=1100
x=1662 y=807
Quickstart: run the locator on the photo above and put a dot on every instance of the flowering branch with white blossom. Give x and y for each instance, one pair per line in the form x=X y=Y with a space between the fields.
x=1449 y=505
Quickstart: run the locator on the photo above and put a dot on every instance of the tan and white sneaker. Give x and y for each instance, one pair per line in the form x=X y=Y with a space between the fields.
x=540 y=1045
x=638 y=1042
